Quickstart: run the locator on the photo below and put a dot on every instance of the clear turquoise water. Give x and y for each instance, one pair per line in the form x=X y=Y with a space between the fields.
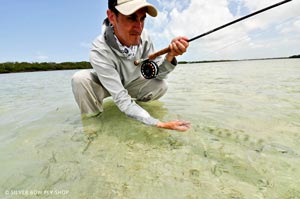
x=244 y=141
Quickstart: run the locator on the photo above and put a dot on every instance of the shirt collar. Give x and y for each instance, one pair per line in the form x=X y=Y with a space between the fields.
x=129 y=52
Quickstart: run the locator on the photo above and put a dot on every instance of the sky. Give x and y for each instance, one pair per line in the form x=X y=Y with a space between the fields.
x=63 y=30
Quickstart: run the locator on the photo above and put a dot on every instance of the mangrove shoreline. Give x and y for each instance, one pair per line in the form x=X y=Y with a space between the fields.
x=14 y=67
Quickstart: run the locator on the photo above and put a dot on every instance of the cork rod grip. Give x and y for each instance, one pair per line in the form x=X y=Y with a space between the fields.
x=158 y=53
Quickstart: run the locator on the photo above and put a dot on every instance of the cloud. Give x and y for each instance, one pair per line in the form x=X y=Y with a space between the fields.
x=245 y=39
x=289 y=27
x=40 y=57
x=168 y=5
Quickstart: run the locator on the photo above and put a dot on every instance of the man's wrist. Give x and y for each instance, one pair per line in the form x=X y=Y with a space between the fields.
x=159 y=124
x=165 y=125
x=169 y=57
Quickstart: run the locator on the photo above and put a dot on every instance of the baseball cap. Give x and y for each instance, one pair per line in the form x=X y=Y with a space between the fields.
x=128 y=7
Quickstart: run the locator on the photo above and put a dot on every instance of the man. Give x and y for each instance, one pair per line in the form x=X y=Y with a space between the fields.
x=112 y=58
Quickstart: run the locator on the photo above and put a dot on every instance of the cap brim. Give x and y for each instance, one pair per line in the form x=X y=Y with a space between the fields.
x=132 y=6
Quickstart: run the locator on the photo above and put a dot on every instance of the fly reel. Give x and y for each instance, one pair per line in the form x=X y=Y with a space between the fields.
x=149 y=69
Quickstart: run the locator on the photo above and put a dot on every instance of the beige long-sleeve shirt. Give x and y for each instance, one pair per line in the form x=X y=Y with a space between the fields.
x=115 y=71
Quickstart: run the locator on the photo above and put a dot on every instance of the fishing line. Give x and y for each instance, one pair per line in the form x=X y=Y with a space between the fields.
x=256 y=35
x=149 y=68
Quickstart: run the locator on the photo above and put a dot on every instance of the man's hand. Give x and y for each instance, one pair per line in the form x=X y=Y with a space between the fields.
x=175 y=125
x=177 y=47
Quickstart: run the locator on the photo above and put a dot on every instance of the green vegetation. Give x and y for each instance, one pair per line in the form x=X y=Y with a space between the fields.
x=295 y=56
x=211 y=61
x=12 y=67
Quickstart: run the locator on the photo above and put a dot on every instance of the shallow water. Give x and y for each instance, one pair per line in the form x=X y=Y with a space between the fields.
x=244 y=141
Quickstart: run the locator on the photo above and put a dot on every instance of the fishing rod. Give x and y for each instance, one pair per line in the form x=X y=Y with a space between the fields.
x=149 y=69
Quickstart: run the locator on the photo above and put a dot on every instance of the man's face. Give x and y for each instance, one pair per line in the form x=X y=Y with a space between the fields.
x=128 y=29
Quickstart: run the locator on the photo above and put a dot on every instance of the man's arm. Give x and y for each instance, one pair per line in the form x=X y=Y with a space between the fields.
x=110 y=79
x=177 y=47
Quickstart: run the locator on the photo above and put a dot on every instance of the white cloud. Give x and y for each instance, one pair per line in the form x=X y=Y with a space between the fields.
x=234 y=42
x=40 y=57
x=174 y=4
x=289 y=27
